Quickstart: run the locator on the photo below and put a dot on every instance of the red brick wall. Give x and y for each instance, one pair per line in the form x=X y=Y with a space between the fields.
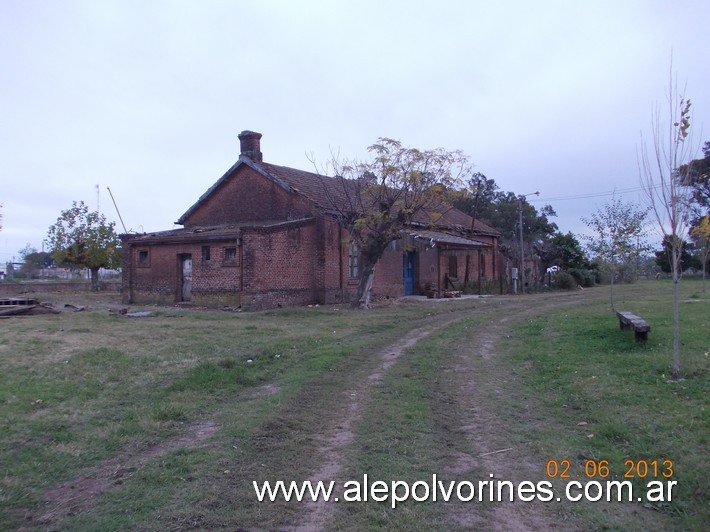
x=279 y=267
x=157 y=280
x=306 y=262
x=214 y=282
x=389 y=273
x=275 y=266
x=248 y=196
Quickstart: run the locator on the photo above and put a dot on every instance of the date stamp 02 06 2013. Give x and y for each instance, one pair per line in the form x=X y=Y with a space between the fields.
x=601 y=469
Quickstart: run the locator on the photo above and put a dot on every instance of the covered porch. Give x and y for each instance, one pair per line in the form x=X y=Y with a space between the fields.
x=443 y=265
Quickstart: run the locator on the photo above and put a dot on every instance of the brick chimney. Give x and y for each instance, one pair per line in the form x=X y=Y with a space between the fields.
x=250 y=145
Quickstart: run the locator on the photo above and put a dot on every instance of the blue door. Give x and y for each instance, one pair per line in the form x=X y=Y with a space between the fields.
x=408 y=259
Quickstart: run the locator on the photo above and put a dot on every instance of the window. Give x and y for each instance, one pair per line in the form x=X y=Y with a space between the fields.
x=230 y=256
x=143 y=258
x=453 y=266
x=354 y=261
x=482 y=265
x=205 y=253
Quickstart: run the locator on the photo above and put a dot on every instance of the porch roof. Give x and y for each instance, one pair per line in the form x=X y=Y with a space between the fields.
x=213 y=233
x=447 y=241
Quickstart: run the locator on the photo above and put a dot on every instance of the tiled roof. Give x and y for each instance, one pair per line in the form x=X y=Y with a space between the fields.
x=332 y=193
x=327 y=192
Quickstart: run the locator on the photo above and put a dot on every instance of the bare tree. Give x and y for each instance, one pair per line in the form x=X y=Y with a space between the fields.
x=374 y=200
x=664 y=171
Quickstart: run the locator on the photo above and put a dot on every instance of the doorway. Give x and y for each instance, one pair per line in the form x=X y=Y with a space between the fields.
x=408 y=267
x=185 y=277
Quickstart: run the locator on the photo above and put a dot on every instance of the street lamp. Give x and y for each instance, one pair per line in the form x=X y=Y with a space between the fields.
x=522 y=252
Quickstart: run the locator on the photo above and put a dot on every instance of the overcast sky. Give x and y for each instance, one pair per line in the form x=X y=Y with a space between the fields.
x=148 y=97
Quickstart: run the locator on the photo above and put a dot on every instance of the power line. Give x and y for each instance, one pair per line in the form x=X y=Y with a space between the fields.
x=591 y=194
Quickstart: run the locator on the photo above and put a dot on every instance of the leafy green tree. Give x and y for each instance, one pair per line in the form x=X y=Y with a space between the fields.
x=618 y=229
x=483 y=200
x=700 y=234
x=663 y=256
x=697 y=177
x=569 y=251
x=477 y=198
x=33 y=261
x=376 y=199
x=83 y=239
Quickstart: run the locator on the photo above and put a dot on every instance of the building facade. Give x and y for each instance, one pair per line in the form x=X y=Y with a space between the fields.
x=264 y=236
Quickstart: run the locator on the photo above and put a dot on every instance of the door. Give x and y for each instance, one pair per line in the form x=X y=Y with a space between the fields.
x=409 y=273
x=186 y=277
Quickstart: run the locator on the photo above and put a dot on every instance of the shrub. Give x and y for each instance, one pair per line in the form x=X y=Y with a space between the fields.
x=565 y=281
x=585 y=278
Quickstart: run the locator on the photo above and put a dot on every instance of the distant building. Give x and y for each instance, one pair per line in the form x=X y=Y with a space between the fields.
x=261 y=236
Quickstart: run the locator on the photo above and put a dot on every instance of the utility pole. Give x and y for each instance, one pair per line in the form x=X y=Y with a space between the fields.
x=522 y=249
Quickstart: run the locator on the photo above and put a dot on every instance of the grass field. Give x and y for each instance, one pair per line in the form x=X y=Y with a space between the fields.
x=162 y=423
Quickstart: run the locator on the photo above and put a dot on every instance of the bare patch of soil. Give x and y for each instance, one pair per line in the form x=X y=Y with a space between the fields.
x=486 y=431
x=264 y=390
x=317 y=514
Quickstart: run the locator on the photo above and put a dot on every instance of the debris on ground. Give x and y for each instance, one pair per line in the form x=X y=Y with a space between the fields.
x=16 y=306
x=145 y=314
x=77 y=308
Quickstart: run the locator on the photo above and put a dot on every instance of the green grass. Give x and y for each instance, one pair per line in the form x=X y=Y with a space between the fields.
x=88 y=393
x=77 y=388
x=581 y=368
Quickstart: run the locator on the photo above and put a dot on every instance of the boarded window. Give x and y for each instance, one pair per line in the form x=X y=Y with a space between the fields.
x=354 y=261
x=205 y=253
x=482 y=265
x=453 y=266
x=143 y=258
x=230 y=257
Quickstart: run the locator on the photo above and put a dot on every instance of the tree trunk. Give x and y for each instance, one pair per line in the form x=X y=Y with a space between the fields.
x=364 y=288
x=94 y=279
x=611 y=289
x=675 y=255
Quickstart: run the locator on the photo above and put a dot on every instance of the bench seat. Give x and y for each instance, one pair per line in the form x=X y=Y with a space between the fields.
x=629 y=320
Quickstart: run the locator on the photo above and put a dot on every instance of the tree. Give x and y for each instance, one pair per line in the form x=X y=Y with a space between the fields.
x=484 y=201
x=697 y=174
x=477 y=198
x=665 y=176
x=33 y=261
x=663 y=256
x=700 y=234
x=568 y=251
x=618 y=229
x=84 y=239
x=374 y=200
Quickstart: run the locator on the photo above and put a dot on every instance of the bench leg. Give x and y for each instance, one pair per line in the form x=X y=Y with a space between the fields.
x=641 y=336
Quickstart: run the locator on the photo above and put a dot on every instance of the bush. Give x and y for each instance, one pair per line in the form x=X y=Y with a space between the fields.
x=585 y=278
x=565 y=281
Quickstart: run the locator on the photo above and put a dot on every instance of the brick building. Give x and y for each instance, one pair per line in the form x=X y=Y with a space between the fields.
x=262 y=237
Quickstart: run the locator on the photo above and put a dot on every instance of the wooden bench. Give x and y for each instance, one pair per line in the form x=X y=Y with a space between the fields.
x=628 y=320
